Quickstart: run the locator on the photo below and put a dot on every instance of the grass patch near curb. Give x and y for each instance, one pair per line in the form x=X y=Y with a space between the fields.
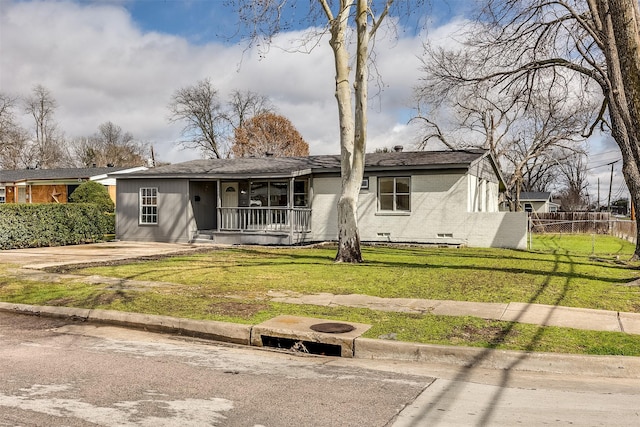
x=427 y=329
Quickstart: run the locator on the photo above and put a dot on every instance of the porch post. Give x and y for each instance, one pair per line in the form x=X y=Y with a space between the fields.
x=290 y=208
x=218 y=204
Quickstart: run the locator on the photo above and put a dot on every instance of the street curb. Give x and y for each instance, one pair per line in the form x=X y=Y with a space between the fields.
x=363 y=348
x=218 y=331
x=474 y=357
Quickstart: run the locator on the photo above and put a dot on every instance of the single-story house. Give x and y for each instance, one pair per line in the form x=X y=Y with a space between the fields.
x=446 y=197
x=55 y=185
x=538 y=201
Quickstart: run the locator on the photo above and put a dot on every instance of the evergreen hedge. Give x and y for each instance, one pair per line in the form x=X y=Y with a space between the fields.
x=51 y=224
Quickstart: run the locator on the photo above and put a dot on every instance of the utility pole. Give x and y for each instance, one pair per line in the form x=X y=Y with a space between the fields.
x=598 y=204
x=610 y=185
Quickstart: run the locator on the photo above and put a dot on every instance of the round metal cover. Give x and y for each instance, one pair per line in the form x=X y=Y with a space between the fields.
x=332 y=328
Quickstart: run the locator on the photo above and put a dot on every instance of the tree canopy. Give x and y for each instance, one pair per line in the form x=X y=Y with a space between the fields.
x=268 y=134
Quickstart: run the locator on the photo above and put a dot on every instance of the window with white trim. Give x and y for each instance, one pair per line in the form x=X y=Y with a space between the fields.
x=394 y=194
x=148 y=205
x=3 y=195
x=301 y=193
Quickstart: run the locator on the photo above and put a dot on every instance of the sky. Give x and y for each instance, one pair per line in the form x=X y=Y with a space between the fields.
x=121 y=60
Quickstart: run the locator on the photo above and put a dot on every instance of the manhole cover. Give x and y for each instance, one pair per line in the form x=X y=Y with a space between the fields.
x=332 y=328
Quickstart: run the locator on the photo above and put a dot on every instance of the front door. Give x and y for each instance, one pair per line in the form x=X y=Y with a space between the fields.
x=204 y=201
x=22 y=194
x=229 y=199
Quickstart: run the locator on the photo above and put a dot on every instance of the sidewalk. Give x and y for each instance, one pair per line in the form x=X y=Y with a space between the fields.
x=537 y=314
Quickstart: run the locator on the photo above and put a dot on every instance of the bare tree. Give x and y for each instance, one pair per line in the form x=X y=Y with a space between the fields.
x=13 y=138
x=47 y=149
x=544 y=173
x=120 y=148
x=573 y=194
x=244 y=105
x=528 y=134
x=546 y=137
x=209 y=123
x=345 y=21
x=591 y=46
x=109 y=146
x=198 y=106
x=462 y=115
x=7 y=112
x=269 y=134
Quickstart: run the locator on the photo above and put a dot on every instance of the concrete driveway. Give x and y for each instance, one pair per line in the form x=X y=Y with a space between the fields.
x=38 y=258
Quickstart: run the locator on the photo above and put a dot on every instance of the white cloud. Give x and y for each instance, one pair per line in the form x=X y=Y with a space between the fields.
x=100 y=66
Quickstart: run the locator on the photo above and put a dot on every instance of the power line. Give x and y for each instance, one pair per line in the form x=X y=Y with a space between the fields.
x=606 y=164
x=604 y=153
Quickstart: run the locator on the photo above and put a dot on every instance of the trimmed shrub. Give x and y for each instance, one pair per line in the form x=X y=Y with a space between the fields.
x=92 y=192
x=38 y=225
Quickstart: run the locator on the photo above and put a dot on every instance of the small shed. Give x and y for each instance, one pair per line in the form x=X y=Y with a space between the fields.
x=538 y=201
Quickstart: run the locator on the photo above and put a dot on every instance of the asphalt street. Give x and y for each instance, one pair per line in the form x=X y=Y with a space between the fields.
x=58 y=372
x=55 y=373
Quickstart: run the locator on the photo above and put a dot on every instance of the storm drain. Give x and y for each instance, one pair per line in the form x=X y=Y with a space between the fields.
x=297 y=346
x=308 y=335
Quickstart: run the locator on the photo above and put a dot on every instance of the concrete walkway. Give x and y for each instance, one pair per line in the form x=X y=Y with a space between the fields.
x=537 y=314
x=40 y=258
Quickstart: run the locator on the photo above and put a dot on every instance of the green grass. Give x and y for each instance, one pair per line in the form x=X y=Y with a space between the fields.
x=561 y=277
x=232 y=285
x=581 y=244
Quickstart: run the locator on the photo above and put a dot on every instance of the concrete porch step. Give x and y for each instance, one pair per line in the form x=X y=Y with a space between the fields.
x=203 y=237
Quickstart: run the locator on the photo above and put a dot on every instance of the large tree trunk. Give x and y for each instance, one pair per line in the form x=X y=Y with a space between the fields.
x=352 y=130
x=619 y=21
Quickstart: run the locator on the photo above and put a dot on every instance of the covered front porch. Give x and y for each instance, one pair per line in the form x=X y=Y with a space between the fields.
x=252 y=211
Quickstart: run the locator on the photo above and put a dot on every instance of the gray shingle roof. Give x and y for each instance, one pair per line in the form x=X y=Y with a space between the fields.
x=535 y=195
x=291 y=166
x=54 y=174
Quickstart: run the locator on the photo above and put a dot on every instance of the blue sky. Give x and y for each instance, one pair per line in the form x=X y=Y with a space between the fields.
x=121 y=60
x=199 y=21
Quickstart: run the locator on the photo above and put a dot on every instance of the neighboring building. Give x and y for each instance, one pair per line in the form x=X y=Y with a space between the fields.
x=54 y=185
x=538 y=201
x=448 y=198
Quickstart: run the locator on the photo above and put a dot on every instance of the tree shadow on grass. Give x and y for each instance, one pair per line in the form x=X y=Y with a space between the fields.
x=256 y=259
x=437 y=409
x=563 y=268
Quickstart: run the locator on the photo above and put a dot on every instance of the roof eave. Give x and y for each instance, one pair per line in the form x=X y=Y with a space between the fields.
x=214 y=176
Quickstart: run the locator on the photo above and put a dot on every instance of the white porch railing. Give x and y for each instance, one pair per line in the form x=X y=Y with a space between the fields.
x=265 y=219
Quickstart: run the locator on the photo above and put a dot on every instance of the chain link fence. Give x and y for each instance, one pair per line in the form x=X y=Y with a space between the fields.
x=601 y=227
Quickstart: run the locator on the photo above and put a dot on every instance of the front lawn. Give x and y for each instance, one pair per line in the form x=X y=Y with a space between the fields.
x=232 y=285
x=557 y=277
